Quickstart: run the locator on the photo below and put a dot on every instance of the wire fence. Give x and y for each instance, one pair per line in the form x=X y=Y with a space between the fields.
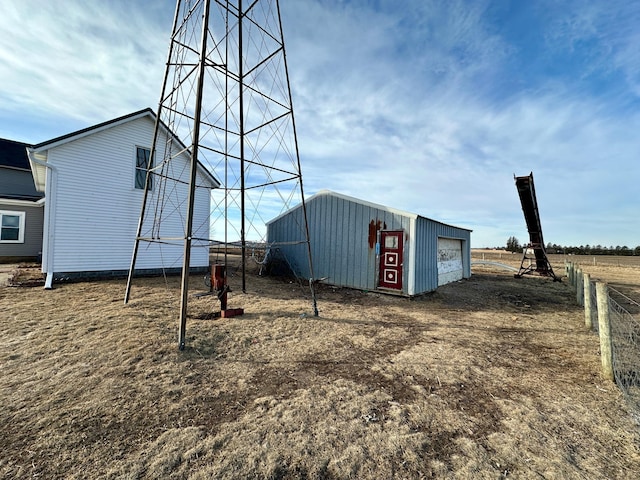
x=625 y=336
x=623 y=325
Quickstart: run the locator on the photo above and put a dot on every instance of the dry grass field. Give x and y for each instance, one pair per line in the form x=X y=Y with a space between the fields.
x=621 y=272
x=491 y=377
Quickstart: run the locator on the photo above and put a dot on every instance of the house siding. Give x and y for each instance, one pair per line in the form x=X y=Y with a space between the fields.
x=32 y=246
x=96 y=206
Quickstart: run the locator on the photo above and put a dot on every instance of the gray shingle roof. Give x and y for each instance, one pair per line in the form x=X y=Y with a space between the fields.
x=14 y=154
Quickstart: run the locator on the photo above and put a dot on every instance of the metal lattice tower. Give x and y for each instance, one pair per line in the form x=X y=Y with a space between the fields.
x=226 y=89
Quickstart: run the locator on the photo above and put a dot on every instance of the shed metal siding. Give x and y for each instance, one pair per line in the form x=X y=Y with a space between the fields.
x=97 y=207
x=426 y=267
x=339 y=229
x=339 y=235
x=347 y=258
x=287 y=229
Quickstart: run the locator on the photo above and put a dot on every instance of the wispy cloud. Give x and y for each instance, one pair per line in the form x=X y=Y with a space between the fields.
x=428 y=106
x=86 y=60
x=422 y=118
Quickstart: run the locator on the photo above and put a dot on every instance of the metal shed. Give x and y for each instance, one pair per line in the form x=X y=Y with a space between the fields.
x=358 y=244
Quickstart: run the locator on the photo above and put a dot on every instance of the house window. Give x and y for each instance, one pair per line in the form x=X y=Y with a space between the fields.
x=11 y=227
x=142 y=160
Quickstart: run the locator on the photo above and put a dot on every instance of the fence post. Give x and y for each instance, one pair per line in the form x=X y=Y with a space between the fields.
x=587 y=301
x=579 y=287
x=604 y=329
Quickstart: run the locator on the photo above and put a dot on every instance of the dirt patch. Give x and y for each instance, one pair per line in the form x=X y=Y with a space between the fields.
x=21 y=275
x=493 y=377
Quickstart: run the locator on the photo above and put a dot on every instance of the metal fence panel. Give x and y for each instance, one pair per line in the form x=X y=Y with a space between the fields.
x=625 y=336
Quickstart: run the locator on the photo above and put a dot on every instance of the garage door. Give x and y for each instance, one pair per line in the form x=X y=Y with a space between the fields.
x=449 y=260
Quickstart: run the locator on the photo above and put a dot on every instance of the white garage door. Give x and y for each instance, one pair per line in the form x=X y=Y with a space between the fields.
x=449 y=260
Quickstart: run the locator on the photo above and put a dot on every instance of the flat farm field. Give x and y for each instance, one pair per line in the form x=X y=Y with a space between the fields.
x=620 y=272
x=491 y=377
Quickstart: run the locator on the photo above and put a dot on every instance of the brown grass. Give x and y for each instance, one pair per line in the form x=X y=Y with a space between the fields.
x=491 y=377
x=620 y=272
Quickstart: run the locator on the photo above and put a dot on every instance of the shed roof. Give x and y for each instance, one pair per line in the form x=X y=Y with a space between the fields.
x=14 y=154
x=365 y=203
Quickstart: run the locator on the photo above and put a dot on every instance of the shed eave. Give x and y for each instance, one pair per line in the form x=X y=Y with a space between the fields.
x=445 y=224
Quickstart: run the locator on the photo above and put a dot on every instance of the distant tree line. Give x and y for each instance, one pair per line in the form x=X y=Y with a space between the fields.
x=593 y=250
x=513 y=245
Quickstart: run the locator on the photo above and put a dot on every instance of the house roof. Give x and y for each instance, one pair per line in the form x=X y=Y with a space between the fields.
x=14 y=154
x=54 y=142
x=18 y=191
x=35 y=150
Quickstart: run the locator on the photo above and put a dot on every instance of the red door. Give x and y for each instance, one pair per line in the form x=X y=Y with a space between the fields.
x=391 y=260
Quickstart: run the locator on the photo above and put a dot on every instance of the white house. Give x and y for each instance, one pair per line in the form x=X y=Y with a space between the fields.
x=93 y=181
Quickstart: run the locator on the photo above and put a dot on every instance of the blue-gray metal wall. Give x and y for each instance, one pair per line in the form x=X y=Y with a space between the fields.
x=343 y=235
x=426 y=248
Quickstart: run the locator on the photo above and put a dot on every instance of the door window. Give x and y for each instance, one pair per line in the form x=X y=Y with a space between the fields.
x=391 y=241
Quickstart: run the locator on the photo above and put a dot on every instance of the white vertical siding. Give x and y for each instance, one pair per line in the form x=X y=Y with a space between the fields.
x=97 y=207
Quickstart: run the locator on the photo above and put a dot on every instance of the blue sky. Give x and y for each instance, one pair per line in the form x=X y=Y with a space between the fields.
x=426 y=106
